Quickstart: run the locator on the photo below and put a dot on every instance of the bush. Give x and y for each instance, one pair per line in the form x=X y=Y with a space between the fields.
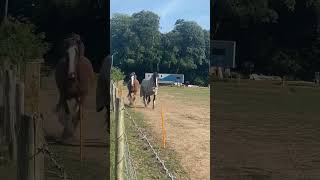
x=116 y=74
x=200 y=81
x=19 y=42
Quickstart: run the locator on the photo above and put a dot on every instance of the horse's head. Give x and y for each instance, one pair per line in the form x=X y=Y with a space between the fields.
x=132 y=78
x=74 y=50
x=155 y=77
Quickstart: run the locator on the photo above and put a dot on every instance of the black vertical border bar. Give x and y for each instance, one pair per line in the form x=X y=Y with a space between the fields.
x=212 y=172
x=106 y=36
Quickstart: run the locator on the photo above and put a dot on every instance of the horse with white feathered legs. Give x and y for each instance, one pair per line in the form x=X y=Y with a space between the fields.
x=148 y=88
x=133 y=87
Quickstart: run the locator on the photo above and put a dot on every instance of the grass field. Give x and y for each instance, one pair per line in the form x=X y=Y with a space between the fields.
x=186 y=114
x=197 y=95
x=264 y=131
x=144 y=162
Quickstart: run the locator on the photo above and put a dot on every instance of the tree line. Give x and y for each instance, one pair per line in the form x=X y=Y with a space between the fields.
x=278 y=37
x=139 y=46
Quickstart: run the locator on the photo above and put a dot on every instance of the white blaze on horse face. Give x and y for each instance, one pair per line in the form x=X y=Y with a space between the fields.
x=72 y=59
x=132 y=80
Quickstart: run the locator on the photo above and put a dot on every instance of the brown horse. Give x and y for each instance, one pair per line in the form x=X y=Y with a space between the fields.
x=133 y=87
x=73 y=75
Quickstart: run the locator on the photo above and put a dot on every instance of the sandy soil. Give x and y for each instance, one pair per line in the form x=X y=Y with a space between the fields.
x=262 y=131
x=188 y=130
x=94 y=133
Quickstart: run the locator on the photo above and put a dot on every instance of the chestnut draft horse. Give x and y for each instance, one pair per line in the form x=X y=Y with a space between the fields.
x=133 y=87
x=73 y=75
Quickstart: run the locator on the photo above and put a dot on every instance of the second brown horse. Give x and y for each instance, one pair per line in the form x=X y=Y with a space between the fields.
x=133 y=88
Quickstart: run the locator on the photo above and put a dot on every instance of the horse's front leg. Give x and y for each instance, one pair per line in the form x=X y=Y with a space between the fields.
x=154 y=101
x=130 y=99
x=133 y=99
x=144 y=101
x=149 y=99
x=62 y=102
x=78 y=112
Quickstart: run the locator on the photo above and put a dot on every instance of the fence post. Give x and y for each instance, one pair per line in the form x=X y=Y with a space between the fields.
x=9 y=121
x=1 y=105
x=114 y=96
x=22 y=126
x=12 y=114
x=120 y=139
x=32 y=89
x=111 y=96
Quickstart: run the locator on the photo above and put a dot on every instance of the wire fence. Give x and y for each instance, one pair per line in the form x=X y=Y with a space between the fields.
x=50 y=156
x=156 y=154
x=129 y=169
x=130 y=172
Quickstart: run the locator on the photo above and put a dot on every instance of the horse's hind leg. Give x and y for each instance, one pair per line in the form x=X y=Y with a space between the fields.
x=144 y=101
x=154 y=101
x=149 y=99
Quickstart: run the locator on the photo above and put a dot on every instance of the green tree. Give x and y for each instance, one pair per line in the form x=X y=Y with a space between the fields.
x=19 y=42
x=146 y=27
x=191 y=43
x=142 y=48
x=116 y=74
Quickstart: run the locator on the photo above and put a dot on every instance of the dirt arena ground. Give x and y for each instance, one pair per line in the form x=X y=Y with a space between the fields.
x=94 y=135
x=266 y=132
x=187 y=122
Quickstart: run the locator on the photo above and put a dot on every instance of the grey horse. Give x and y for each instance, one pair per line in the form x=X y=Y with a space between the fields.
x=148 y=88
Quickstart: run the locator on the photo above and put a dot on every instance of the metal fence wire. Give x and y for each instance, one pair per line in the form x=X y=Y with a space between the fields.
x=52 y=157
x=156 y=154
x=130 y=172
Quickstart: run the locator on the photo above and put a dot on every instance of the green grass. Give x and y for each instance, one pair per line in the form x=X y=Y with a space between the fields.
x=147 y=167
x=183 y=93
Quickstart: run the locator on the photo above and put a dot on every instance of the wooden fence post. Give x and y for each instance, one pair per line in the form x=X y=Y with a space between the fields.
x=32 y=90
x=111 y=97
x=114 y=96
x=9 y=120
x=120 y=139
x=1 y=105
x=6 y=113
x=12 y=114
x=22 y=126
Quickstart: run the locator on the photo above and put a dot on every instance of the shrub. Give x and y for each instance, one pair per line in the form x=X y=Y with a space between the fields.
x=116 y=74
x=19 y=42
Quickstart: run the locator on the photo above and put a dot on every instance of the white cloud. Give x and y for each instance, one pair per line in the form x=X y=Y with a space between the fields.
x=170 y=7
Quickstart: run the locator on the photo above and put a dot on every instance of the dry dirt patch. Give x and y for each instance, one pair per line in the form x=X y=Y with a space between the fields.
x=187 y=124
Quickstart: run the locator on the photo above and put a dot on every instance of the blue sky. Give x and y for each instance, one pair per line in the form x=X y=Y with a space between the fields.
x=168 y=10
